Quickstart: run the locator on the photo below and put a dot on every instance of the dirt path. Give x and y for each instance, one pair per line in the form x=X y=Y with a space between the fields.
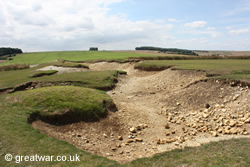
x=157 y=112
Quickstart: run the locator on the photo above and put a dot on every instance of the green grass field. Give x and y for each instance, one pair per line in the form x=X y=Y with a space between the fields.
x=46 y=57
x=232 y=69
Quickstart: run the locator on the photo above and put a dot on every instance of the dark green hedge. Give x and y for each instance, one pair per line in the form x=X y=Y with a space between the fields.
x=171 y=50
x=9 y=51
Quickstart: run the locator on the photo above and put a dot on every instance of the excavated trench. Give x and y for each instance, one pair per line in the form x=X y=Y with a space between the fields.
x=157 y=112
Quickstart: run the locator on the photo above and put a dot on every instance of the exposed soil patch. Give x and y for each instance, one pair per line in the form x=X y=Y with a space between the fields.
x=34 y=65
x=62 y=70
x=159 y=111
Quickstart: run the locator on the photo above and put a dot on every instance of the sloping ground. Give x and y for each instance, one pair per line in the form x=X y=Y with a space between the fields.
x=157 y=112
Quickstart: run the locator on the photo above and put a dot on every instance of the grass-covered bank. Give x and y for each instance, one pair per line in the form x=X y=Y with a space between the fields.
x=104 y=80
x=63 y=104
x=17 y=137
x=14 y=67
x=44 y=73
x=226 y=68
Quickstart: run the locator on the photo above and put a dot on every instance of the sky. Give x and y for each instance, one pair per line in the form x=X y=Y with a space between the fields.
x=53 y=25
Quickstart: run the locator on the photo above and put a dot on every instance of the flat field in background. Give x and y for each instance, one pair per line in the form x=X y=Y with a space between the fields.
x=233 y=69
x=46 y=57
x=224 y=53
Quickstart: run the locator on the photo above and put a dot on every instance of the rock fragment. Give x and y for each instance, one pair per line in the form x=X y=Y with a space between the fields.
x=120 y=138
x=133 y=130
x=139 y=139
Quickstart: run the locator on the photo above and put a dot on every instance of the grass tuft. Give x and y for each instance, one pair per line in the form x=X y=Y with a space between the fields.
x=14 y=67
x=44 y=73
x=122 y=72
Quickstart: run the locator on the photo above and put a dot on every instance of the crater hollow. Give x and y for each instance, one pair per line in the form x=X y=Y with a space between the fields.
x=158 y=112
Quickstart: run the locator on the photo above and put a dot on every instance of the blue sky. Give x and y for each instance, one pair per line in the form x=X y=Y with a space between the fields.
x=41 y=25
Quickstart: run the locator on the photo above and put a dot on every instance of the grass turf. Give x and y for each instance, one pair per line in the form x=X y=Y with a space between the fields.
x=234 y=152
x=44 y=73
x=63 y=104
x=233 y=69
x=93 y=79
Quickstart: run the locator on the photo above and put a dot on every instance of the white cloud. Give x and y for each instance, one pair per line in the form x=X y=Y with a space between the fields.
x=174 y=20
x=203 y=41
x=2 y=19
x=211 y=28
x=36 y=7
x=210 y=32
x=200 y=32
x=77 y=24
x=239 y=31
x=196 y=24
x=213 y=44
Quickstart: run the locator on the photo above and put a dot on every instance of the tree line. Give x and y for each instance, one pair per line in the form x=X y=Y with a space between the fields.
x=9 y=52
x=169 y=50
x=93 y=49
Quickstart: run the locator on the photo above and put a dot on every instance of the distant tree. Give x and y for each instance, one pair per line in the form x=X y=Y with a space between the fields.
x=9 y=51
x=93 y=49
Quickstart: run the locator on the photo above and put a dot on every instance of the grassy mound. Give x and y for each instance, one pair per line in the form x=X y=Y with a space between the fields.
x=64 y=63
x=14 y=67
x=151 y=67
x=64 y=104
x=44 y=73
